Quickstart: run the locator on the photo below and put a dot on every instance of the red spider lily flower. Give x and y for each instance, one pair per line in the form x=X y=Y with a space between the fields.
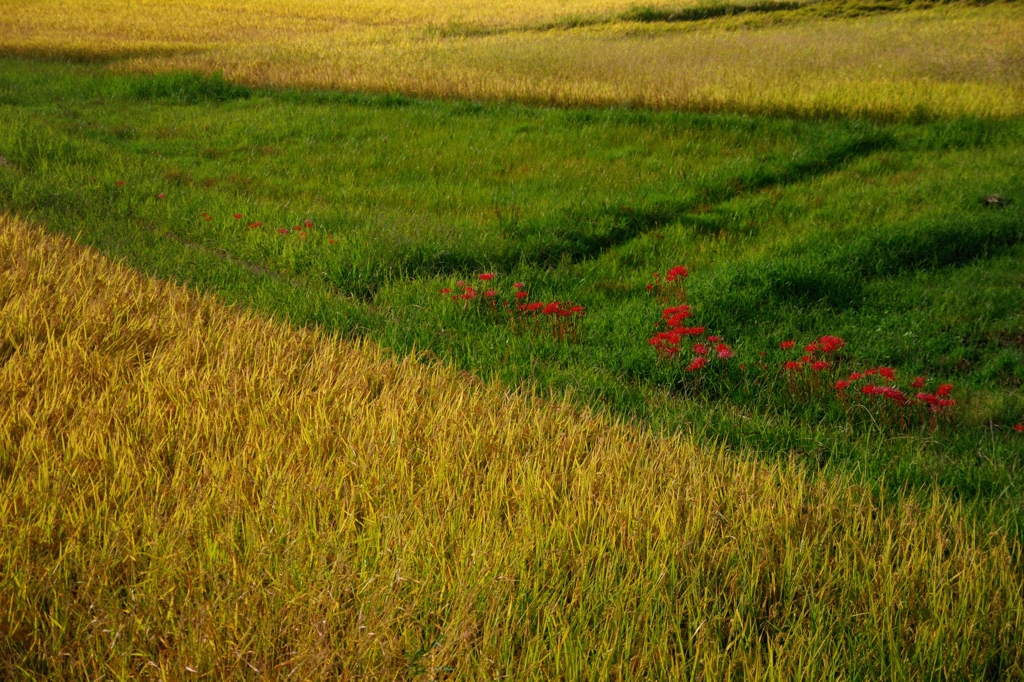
x=949 y=402
x=487 y=276
x=679 y=271
x=830 y=344
x=161 y=195
x=207 y=217
x=332 y=240
x=283 y=230
x=489 y=293
x=674 y=316
x=460 y=283
x=522 y=294
x=944 y=390
x=714 y=339
x=794 y=366
x=469 y=294
x=649 y=287
x=806 y=358
x=238 y=216
x=690 y=331
x=446 y=290
x=518 y=285
x=894 y=395
x=855 y=376
x=724 y=352
x=871 y=372
x=578 y=310
x=872 y=390
x=887 y=373
x=537 y=305
x=120 y=183
x=820 y=365
x=1019 y=428
x=551 y=308
x=308 y=223
x=698 y=363
x=918 y=382
x=786 y=345
x=811 y=348
x=253 y=226
x=842 y=385
x=700 y=349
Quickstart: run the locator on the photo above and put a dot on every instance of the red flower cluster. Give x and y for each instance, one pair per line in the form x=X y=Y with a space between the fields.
x=668 y=343
x=673 y=288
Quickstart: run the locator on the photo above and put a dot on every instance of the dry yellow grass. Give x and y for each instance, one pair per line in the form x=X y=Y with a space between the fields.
x=187 y=487
x=948 y=61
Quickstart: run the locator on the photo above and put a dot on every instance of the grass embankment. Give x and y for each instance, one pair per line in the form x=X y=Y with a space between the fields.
x=883 y=58
x=186 y=487
x=792 y=229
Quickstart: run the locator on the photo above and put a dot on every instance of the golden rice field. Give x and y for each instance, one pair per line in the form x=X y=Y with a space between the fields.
x=188 y=488
x=944 y=61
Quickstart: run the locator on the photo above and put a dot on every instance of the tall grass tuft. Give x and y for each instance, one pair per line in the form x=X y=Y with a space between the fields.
x=186 y=487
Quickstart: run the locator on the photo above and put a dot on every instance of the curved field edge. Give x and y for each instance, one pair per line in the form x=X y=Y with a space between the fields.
x=885 y=60
x=186 y=486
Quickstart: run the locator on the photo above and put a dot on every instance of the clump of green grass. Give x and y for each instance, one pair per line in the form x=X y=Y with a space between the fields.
x=187 y=488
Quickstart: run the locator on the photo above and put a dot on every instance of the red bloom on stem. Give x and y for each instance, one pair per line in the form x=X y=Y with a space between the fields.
x=550 y=308
x=811 y=348
x=819 y=365
x=518 y=285
x=842 y=385
x=308 y=223
x=446 y=290
x=489 y=293
x=697 y=363
x=794 y=366
x=1019 y=428
x=487 y=276
x=944 y=390
x=871 y=372
x=786 y=345
x=283 y=230
x=855 y=376
x=700 y=349
x=460 y=283
x=649 y=287
x=724 y=352
x=238 y=216
x=161 y=195
x=674 y=316
x=830 y=344
x=578 y=309
x=918 y=382
x=679 y=271
x=469 y=294
x=253 y=226
x=714 y=339
x=522 y=294
x=887 y=373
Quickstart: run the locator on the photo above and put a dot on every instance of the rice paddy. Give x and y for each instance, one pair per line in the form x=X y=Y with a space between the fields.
x=187 y=488
x=541 y=340
x=885 y=60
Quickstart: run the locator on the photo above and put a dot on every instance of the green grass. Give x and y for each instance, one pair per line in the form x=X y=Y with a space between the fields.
x=792 y=228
